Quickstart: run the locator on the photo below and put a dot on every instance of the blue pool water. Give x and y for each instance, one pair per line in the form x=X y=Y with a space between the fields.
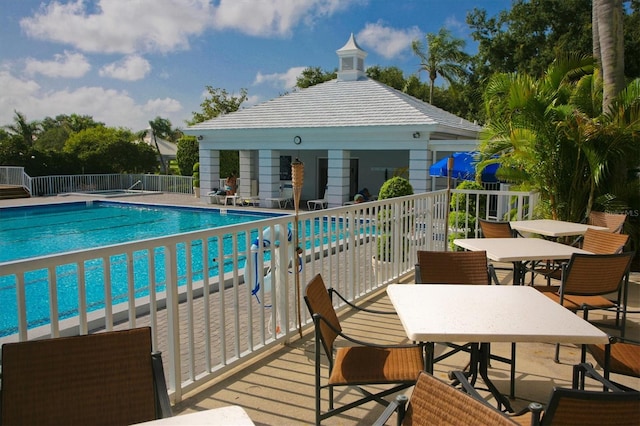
x=27 y=232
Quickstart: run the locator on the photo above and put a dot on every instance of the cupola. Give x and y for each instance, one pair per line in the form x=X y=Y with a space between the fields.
x=351 y=58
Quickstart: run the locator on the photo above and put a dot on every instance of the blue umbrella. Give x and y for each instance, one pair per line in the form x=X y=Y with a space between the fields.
x=464 y=167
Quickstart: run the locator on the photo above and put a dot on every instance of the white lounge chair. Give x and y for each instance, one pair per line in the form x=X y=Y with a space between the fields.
x=286 y=196
x=322 y=202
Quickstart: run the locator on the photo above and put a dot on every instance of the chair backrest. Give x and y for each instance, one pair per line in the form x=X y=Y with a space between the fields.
x=435 y=402
x=613 y=221
x=603 y=242
x=452 y=267
x=104 y=378
x=287 y=191
x=494 y=229
x=318 y=300
x=595 y=274
x=580 y=407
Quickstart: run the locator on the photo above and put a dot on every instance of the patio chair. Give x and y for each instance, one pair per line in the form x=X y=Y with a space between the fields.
x=615 y=222
x=594 y=241
x=435 y=402
x=575 y=406
x=497 y=229
x=104 y=378
x=322 y=202
x=620 y=356
x=587 y=279
x=360 y=364
x=286 y=196
x=460 y=267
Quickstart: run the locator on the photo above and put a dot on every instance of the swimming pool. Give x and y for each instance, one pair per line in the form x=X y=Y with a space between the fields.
x=28 y=232
x=32 y=231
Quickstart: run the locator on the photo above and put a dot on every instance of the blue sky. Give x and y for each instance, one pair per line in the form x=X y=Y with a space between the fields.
x=124 y=62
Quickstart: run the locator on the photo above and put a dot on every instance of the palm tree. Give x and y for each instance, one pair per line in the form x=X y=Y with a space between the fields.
x=553 y=136
x=444 y=57
x=609 y=46
x=27 y=131
x=160 y=127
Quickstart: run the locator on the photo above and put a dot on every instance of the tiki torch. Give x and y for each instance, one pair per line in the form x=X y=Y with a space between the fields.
x=297 y=179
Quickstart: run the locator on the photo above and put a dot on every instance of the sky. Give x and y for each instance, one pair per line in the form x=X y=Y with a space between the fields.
x=125 y=62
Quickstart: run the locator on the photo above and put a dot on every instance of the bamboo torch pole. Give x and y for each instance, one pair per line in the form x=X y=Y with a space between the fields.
x=297 y=179
x=448 y=206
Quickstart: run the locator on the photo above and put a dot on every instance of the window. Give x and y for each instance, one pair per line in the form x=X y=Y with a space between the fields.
x=285 y=167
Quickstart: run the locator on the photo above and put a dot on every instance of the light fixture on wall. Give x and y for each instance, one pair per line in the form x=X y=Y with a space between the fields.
x=200 y=137
x=297 y=140
x=416 y=135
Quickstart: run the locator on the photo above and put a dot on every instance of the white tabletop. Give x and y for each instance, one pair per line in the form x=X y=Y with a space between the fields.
x=553 y=228
x=519 y=249
x=487 y=313
x=232 y=415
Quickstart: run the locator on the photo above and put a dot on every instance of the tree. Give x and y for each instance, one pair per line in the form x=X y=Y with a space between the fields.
x=56 y=131
x=608 y=27
x=25 y=130
x=109 y=150
x=160 y=128
x=187 y=154
x=443 y=57
x=217 y=103
x=311 y=76
x=552 y=136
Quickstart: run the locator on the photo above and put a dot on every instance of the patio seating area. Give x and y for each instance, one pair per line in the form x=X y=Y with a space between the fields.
x=279 y=388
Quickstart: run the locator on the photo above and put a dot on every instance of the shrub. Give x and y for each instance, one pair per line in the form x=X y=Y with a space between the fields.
x=395 y=187
x=196 y=175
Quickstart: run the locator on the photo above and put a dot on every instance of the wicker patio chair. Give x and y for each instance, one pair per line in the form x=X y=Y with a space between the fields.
x=615 y=222
x=576 y=406
x=587 y=279
x=98 y=379
x=497 y=229
x=593 y=241
x=358 y=365
x=434 y=402
x=460 y=267
x=620 y=356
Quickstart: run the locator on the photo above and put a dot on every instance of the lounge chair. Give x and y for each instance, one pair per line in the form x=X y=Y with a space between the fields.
x=286 y=196
x=322 y=202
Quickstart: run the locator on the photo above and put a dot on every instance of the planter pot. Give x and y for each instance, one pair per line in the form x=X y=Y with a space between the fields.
x=379 y=266
x=196 y=191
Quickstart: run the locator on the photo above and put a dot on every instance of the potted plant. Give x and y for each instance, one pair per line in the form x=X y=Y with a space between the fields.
x=196 y=179
x=462 y=223
x=395 y=187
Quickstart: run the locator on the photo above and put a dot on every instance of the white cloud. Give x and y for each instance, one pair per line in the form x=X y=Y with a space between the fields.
x=286 y=80
x=68 y=65
x=131 y=68
x=113 y=107
x=273 y=17
x=386 y=41
x=116 y=26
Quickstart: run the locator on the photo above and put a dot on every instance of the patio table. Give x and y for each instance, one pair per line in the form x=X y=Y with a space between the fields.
x=553 y=228
x=519 y=250
x=486 y=314
x=231 y=415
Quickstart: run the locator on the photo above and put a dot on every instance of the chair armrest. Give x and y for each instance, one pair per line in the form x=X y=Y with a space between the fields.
x=586 y=370
x=399 y=405
x=333 y=291
x=362 y=342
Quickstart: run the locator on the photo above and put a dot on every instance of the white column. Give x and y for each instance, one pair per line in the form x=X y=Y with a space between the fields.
x=269 y=176
x=338 y=174
x=247 y=172
x=209 y=170
x=419 y=162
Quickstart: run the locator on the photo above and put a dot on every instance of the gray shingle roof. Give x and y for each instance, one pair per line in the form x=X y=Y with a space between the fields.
x=338 y=103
